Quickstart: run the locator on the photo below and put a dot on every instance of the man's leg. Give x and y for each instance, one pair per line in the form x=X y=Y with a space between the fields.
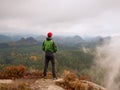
x=53 y=66
x=45 y=66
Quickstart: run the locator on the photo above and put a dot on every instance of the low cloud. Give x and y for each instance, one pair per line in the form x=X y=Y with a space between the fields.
x=78 y=16
x=108 y=64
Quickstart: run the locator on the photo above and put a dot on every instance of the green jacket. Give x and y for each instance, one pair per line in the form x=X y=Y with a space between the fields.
x=49 y=45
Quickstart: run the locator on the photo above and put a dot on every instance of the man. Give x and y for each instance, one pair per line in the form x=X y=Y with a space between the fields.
x=50 y=48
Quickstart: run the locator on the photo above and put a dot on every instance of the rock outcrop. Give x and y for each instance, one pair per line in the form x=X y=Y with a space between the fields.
x=47 y=84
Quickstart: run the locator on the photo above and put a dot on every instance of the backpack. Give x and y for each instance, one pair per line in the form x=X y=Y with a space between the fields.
x=49 y=46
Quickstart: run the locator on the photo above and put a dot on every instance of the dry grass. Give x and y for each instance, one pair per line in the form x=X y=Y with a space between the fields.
x=85 y=77
x=16 y=72
x=72 y=82
x=21 y=86
x=13 y=72
x=22 y=79
x=33 y=74
x=37 y=74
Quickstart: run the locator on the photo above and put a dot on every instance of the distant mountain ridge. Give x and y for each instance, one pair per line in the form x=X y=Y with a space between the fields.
x=71 y=41
x=4 y=38
x=25 y=41
x=7 y=38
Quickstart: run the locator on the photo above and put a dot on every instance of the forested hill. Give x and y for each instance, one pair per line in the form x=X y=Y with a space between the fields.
x=71 y=49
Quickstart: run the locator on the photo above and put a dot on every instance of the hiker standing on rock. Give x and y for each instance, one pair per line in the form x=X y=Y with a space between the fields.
x=49 y=48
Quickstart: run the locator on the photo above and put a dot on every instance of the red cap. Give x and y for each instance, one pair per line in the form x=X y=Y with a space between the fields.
x=49 y=34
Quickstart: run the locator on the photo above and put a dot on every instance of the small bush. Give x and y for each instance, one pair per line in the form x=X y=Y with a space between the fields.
x=13 y=72
x=68 y=76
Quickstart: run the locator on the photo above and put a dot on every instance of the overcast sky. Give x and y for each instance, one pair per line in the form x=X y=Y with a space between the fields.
x=62 y=17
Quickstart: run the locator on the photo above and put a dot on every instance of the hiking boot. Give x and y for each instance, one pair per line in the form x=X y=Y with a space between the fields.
x=54 y=78
x=45 y=78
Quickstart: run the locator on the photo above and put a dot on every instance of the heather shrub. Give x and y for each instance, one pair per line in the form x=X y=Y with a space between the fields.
x=72 y=82
x=13 y=72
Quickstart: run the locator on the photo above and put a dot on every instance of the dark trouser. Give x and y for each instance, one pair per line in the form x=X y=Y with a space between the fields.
x=47 y=59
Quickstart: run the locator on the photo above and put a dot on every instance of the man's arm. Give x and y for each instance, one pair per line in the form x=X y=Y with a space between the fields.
x=43 y=46
x=54 y=47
